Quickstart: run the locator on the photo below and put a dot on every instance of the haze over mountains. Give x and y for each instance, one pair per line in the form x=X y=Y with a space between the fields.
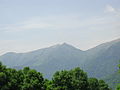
x=98 y=62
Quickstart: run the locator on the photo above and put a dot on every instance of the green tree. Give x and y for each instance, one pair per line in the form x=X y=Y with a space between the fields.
x=103 y=85
x=118 y=87
x=29 y=79
x=48 y=84
x=3 y=77
x=93 y=84
x=75 y=79
x=119 y=66
x=33 y=80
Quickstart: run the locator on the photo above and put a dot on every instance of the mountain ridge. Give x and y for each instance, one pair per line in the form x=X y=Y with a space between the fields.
x=65 y=56
x=115 y=40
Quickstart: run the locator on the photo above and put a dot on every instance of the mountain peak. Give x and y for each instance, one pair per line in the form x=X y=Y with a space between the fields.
x=65 y=44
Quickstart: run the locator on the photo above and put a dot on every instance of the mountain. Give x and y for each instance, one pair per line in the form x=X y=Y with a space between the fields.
x=47 y=60
x=112 y=80
x=104 y=58
x=99 y=61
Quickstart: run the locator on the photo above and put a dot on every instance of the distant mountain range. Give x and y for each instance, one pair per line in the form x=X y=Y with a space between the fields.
x=99 y=61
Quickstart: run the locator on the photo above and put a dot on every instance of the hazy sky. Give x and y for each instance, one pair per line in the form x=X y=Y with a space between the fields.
x=27 y=25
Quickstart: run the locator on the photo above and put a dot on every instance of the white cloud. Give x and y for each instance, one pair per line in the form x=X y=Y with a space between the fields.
x=111 y=9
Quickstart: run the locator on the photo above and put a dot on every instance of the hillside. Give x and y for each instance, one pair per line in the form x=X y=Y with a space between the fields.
x=99 y=61
x=47 y=60
x=104 y=58
x=113 y=80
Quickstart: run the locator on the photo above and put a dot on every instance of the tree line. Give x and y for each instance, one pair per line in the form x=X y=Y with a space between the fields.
x=30 y=79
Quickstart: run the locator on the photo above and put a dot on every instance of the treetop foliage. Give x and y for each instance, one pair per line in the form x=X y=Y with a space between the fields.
x=29 y=79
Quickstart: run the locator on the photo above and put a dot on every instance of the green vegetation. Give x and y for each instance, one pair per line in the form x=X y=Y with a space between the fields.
x=29 y=79
x=119 y=66
x=118 y=86
x=113 y=80
x=26 y=79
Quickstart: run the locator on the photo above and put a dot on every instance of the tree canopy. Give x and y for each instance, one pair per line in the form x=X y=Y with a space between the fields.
x=118 y=86
x=30 y=79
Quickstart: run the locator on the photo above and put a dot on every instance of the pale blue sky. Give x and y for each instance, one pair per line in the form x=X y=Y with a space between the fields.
x=27 y=25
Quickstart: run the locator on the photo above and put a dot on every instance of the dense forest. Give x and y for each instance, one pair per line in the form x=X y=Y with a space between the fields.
x=29 y=79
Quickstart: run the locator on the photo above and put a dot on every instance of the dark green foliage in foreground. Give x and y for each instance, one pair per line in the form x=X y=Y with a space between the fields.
x=74 y=79
x=26 y=79
x=32 y=79
x=93 y=84
x=29 y=79
x=103 y=85
x=118 y=86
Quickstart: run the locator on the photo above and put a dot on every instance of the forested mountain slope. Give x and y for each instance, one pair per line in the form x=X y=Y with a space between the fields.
x=99 y=61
